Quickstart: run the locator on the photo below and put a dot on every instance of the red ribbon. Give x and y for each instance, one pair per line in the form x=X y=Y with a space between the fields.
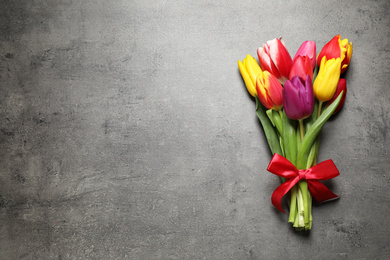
x=284 y=168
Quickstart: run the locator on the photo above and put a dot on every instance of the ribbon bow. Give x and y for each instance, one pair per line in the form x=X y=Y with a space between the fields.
x=284 y=168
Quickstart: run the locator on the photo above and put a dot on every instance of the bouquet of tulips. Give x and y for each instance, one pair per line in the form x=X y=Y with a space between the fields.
x=294 y=99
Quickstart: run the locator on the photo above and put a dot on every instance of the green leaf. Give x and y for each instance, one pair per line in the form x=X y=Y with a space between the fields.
x=314 y=130
x=270 y=116
x=276 y=120
x=269 y=130
x=289 y=138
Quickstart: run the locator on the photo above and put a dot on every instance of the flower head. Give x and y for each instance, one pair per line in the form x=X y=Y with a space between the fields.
x=301 y=67
x=249 y=70
x=298 y=98
x=337 y=48
x=327 y=79
x=308 y=48
x=274 y=57
x=269 y=91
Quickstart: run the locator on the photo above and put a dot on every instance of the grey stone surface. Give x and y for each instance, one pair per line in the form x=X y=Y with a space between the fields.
x=126 y=131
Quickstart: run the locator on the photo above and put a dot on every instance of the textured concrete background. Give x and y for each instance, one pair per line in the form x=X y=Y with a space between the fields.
x=127 y=133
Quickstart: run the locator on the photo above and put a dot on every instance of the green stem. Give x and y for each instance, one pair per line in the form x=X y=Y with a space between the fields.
x=301 y=128
x=281 y=113
x=310 y=207
x=304 y=189
x=312 y=155
x=289 y=139
x=301 y=210
x=315 y=72
x=319 y=109
x=293 y=205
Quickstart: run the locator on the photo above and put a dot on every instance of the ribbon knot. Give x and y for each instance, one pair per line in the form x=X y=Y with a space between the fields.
x=284 y=168
x=302 y=174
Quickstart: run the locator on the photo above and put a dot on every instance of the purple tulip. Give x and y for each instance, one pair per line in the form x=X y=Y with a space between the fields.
x=298 y=98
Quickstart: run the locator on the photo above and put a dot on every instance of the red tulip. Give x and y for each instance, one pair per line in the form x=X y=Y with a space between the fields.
x=308 y=48
x=301 y=67
x=337 y=48
x=269 y=91
x=274 y=57
x=341 y=86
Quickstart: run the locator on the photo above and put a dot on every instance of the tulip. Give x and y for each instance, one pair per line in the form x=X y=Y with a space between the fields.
x=249 y=70
x=308 y=48
x=298 y=98
x=269 y=91
x=274 y=57
x=301 y=67
x=327 y=79
x=337 y=48
x=341 y=86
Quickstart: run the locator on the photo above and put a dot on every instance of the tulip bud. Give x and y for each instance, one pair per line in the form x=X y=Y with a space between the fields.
x=341 y=86
x=274 y=57
x=269 y=91
x=249 y=70
x=337 y=48
x=301 y=67
x=298 y=98
x=308 y=48
x=327 y=79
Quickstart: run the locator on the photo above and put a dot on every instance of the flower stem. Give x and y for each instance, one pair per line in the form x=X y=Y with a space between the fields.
x=281 y=113
x=293 y=205
x=319 y=109
x=301 y=210
x=301 y=128
x=305 y=190
x=310 y=207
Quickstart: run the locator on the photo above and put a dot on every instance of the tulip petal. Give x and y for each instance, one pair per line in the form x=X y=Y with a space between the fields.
x=309 y=97
x=265 y=61
x=327 y=79
x=248 y=82
x=347 y=59
x=269 y=91
x=341 y=86
x=250 y=69
x=280 y=57
x=253 y=68
x=261 y=92
x=308 y=48
x=275 y=91
x=331 y=50
x=301 y=67
x=298 y=98
x=291 y=102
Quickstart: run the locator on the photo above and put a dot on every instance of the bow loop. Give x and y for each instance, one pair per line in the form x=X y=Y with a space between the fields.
x=284 y=168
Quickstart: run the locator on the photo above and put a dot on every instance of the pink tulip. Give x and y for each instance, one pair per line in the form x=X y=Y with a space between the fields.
x=274 y=57
x=308 y=48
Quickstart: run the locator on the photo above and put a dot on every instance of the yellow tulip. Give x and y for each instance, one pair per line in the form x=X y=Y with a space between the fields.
x=249 y=70
x=325 y=84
